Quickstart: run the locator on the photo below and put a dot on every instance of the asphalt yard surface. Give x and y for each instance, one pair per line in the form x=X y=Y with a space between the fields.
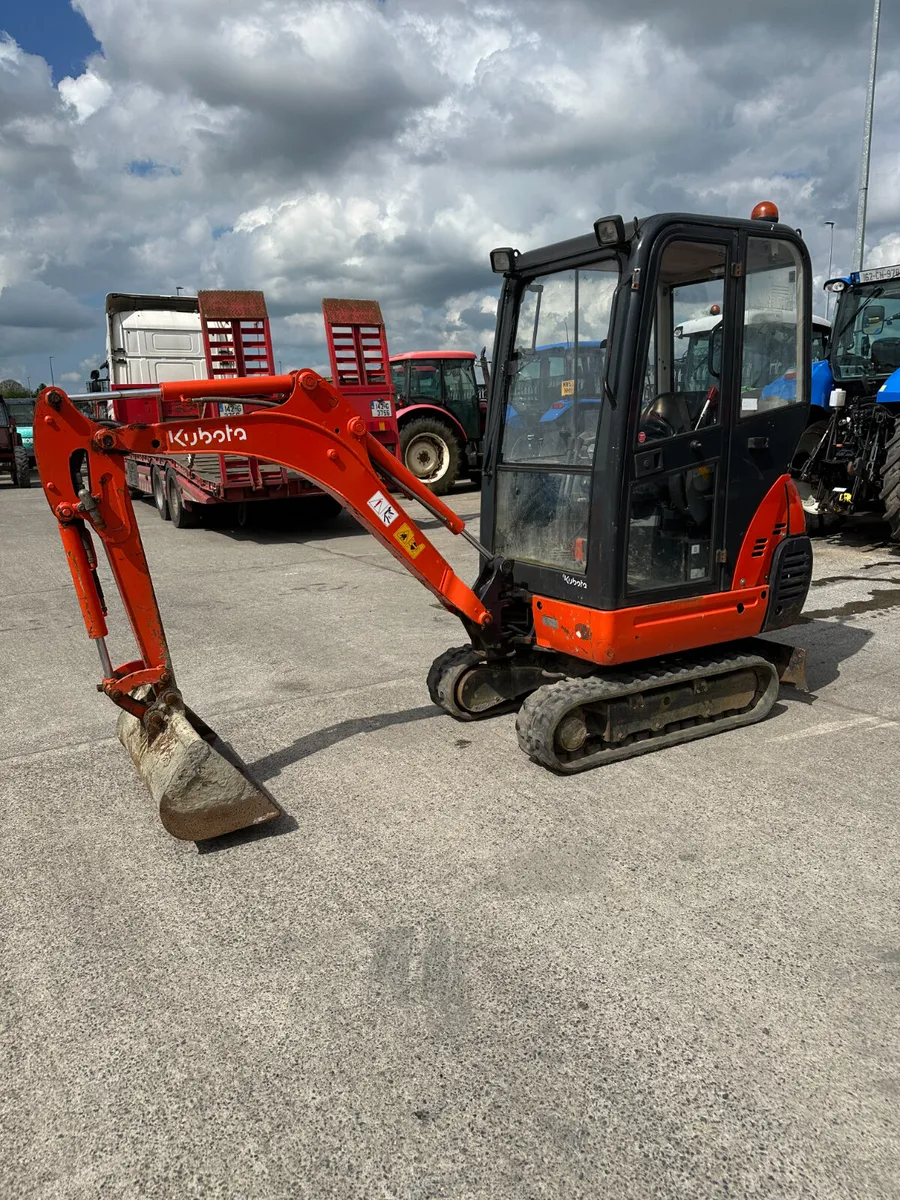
x=445 y=973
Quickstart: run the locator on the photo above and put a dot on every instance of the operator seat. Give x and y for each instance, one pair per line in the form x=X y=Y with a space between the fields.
x=886 y=353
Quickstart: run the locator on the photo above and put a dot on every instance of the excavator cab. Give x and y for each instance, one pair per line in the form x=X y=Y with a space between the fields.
x=629 y=555
x=648 y=501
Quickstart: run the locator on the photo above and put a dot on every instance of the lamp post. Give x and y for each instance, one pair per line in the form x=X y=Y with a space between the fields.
x=830 y=260
x=863 y=195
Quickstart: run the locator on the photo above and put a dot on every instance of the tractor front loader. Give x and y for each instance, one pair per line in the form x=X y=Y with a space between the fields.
x=628 y=561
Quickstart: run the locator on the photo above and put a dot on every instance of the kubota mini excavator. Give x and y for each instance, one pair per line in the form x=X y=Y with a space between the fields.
x=626 y=564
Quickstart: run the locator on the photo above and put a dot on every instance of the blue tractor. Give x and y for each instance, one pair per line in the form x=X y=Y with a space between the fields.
x=558 y=394
x=849 y=459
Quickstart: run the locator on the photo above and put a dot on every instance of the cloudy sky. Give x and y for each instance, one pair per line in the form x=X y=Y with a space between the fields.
x=380 y=148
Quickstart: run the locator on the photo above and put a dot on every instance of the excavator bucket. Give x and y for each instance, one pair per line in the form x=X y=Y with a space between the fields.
x=200 y=785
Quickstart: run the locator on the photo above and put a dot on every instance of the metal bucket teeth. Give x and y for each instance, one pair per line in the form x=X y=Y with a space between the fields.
x=201 y=793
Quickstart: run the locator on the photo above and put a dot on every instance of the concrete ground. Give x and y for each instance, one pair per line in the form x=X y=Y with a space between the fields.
x=445 y=973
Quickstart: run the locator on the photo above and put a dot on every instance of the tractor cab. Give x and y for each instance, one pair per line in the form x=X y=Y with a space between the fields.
x=865 y=350
x=651 y=492
x=440 y=415
x=548 y=378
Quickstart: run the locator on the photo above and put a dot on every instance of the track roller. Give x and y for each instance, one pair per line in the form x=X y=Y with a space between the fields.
x=576 y=724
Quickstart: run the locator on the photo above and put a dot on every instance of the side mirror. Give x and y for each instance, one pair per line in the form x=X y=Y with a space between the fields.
x=873 y=323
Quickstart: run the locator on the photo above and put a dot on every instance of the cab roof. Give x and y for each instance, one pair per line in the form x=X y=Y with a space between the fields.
x=469 y=354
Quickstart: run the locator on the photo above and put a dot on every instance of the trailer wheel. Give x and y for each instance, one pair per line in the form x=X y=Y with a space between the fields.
x=320 y=509
x=131 y=481
x=890 y=484
x=22 y=471
x=431 y=450
x=182 y=516
x=159 y=493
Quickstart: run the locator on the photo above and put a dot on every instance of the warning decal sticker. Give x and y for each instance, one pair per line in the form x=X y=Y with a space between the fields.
x=407 y=540
x=382 y=507
x=567 y=387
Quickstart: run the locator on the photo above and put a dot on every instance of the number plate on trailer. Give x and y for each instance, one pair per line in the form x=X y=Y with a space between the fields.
x=231 y=410
x=381 y=408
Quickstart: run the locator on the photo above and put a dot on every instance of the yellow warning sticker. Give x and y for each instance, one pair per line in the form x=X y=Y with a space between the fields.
x=567 y=388
x=407 y=540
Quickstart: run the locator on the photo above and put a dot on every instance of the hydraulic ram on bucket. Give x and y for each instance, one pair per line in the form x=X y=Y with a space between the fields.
x=202 y=790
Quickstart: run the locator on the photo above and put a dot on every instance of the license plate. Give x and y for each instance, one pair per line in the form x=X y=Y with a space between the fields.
x=231 y=410
x=381 y=408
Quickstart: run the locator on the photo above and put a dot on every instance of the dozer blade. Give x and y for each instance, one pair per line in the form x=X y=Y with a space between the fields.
x=201 y=789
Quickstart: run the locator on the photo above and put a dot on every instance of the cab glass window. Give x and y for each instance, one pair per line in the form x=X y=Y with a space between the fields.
x=398 y=377
x=681 y=390
x=553 y=399
x=773 y=350
x=553 y=403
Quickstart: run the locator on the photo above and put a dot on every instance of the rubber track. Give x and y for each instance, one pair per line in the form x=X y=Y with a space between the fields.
x=543 y=710
x=890 y=484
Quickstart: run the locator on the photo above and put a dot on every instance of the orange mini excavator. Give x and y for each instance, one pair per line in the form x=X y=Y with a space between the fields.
x=639 y=523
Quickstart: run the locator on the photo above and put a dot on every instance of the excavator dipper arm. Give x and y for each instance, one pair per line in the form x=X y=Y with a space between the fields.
x=311 y=428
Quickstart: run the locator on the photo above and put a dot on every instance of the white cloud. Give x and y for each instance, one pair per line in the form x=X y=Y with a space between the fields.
x=348 y=147
x=87 y=94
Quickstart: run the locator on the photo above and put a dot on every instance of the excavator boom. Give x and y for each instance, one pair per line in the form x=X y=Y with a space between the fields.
x=309 y=427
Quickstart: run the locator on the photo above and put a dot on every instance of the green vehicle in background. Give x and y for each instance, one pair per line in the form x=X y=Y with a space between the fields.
x=21 y=409
x=13 y=456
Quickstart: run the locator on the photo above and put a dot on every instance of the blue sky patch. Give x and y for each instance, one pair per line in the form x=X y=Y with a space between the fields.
x=146 y=168
x=52 y=29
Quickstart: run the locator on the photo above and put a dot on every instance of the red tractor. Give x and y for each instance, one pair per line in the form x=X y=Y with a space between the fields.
x=440 y=416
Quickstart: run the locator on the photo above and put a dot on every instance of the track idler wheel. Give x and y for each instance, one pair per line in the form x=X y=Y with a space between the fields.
x=447 y=672
x=470 y=686
x=198 y=782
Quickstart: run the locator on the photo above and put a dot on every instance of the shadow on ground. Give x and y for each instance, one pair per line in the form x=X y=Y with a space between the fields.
x=321 y=739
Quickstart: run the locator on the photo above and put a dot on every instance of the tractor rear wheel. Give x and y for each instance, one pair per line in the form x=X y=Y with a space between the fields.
x=22 y=471
x=890 y=484
x=430 y=449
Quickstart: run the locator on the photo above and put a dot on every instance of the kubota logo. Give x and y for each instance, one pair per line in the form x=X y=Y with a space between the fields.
x=202 y=437
x=575 y=581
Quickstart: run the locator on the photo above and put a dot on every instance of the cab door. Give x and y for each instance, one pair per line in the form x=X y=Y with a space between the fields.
x=773 y=377
x=677 y=460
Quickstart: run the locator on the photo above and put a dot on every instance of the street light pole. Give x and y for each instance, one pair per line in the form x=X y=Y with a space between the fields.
x=830 y=260
x=862 y=198
x=52 y=380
